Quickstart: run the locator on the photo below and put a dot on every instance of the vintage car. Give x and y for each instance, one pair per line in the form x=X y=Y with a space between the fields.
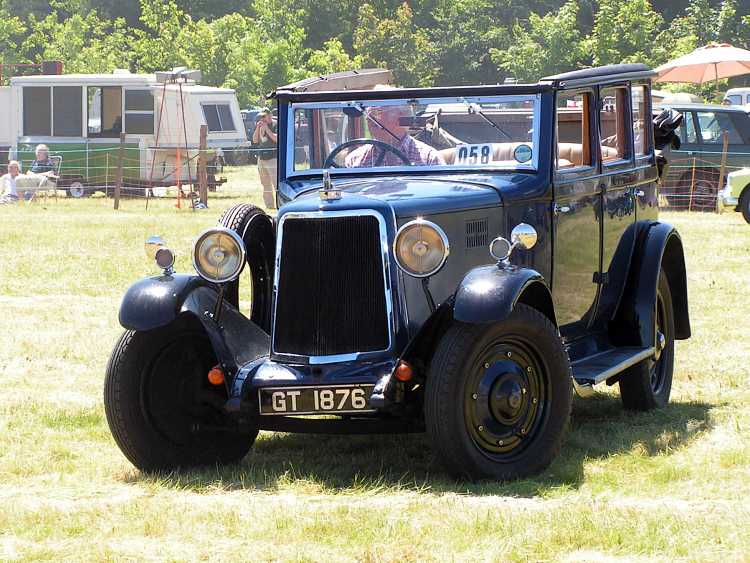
x=736 y=193
x=463 y=285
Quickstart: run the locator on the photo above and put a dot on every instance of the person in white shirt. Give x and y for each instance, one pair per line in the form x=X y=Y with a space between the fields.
x=8 y=189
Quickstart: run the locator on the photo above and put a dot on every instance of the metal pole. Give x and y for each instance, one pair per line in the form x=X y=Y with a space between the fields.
x=202 y=173
x=723 y=169
x=120 y=158
x=692 y=187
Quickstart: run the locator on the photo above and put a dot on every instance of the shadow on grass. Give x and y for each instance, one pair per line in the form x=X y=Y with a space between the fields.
x=600 y=429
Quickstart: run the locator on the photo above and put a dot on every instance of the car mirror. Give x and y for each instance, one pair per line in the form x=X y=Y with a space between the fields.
x=524 y=236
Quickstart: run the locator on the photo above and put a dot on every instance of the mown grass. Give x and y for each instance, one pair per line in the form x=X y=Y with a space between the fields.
x=668 y=484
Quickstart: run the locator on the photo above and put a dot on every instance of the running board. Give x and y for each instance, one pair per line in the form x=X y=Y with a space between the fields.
x=591 y=370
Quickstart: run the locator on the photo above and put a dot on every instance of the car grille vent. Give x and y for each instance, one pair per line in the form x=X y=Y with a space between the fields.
x=476 y=233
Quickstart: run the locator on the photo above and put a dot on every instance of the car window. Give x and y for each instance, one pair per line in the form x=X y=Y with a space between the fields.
x=686 y=131
x=613 y=130
x=713 y=124
x=573 y=123
x=734 y=99
x=640 y=113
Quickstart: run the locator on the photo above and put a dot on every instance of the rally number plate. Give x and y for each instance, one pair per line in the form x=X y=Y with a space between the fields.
x=336 y=399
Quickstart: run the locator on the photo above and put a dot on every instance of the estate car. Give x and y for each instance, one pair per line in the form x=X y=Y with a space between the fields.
x=452 y=260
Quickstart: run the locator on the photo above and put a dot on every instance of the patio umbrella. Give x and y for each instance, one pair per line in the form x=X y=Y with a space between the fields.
x=712 y=62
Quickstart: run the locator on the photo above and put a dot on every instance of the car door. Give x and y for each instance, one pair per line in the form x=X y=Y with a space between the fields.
x=577 y=207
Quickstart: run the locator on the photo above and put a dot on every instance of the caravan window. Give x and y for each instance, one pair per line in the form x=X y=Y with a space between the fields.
x=37 y=111
x=218 y=117
x=139 y=112
x=52 y=111
x=104 y=111
x=67 y=111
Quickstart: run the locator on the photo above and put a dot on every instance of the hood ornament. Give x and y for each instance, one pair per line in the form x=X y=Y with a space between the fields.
x=327 y=191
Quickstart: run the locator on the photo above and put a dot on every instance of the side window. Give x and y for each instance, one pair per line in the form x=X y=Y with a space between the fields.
x=734 y=99
x=573 y=126
x=613 y=129
x=66 y=103
x=104 y=111
x=713 y=125
x=218 y=117
x=686 y=131
x=37 y=110
x=139 y=112
x=641 y=115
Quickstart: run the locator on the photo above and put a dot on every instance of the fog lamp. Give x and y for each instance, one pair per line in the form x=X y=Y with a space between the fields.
x=421 y=248
x=219 y=255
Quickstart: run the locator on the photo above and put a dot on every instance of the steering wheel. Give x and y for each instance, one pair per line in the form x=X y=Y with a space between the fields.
x=385 y=147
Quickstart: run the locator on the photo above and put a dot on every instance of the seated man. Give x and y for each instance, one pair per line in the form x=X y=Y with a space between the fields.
x=383 y=122
x=43 y=164
x=8 y=187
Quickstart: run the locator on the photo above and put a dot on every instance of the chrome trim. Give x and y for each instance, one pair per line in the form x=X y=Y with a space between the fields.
x=388 y=283
x=236 y=237
x=439 y=231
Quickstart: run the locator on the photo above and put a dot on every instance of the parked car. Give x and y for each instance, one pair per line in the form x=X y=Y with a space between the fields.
x=736 y=193
x=737 y=97
x=702 y=138
x=464 y=290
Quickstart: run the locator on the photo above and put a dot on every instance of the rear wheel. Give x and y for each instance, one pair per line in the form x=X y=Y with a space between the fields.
x=498 y=397
x=161 y=409
x=76 y=189
x=647 y=385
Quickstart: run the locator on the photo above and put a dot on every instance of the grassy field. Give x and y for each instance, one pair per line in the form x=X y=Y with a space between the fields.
x=671 y=484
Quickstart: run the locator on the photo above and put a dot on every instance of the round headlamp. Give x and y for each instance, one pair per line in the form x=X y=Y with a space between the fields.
x=421 y=248
x=219 y=255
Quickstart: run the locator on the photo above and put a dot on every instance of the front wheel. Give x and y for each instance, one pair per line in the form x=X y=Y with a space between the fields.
x=498 y=397
x=745 y=204
x=162 y=411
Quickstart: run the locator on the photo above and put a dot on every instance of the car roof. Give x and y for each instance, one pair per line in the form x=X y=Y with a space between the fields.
x=704 y=107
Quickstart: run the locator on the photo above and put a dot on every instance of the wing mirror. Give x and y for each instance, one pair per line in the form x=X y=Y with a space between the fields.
x=156 y=249
x=522 y=236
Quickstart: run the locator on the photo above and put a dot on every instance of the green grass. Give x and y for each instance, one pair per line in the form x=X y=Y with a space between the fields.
x=669 y=484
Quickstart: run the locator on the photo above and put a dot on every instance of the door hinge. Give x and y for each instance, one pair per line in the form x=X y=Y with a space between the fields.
x=601 y=278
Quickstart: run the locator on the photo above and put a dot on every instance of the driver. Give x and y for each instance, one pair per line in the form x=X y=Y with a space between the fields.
x=383 y=122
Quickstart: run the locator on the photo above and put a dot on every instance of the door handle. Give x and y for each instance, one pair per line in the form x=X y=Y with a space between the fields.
x=561 y=209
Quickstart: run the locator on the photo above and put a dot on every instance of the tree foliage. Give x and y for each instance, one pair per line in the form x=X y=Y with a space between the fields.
x=255 y=46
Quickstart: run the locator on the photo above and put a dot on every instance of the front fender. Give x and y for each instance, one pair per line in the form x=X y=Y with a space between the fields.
x=489 y=293
x=154 y=302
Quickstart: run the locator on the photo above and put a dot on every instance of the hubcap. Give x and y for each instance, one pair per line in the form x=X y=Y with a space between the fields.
x=76 y=189
x=504 y=400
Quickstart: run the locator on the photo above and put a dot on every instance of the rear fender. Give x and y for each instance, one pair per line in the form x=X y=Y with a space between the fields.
x=658 y=246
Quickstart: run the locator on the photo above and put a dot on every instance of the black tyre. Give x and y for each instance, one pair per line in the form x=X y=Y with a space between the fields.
x=647 y=385
x=744 y=204
x=161 y=409
x=251 y=292
x=498 y=397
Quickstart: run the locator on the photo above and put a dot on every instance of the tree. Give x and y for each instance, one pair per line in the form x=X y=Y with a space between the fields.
x=624 y=31
x=551 y=44
x=11 y=32
x=331 y=58
x=396 y=44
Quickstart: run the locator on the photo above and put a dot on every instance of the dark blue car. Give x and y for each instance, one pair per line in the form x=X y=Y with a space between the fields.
x=451 y=260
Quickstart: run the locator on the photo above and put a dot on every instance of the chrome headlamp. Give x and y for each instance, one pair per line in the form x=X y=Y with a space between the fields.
x=219 y=255
x=421 y=248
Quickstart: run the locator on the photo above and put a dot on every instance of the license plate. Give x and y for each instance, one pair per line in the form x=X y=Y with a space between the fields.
x=337 y=399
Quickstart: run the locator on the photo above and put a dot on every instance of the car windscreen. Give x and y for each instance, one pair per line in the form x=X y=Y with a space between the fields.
x=436 y=133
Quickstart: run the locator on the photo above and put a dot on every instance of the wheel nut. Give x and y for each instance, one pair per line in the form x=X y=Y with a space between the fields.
x=523 y=431
x=509 y=354
x=481 y=428
x=528 y=369
x=534 y=400
x=500 y=442
x=474 y=396
x=487 y=366
x=523 y=390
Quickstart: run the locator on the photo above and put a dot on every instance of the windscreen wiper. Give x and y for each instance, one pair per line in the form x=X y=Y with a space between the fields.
x=357 y=110
x=474 y=109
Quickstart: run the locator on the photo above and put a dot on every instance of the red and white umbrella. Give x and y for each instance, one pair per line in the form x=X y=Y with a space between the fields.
x=711 y=62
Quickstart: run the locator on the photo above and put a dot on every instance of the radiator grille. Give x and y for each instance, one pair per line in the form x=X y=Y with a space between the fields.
x=331 y=292
x=476 y=233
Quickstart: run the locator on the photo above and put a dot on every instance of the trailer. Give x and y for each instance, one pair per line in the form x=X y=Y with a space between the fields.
x=81 y=117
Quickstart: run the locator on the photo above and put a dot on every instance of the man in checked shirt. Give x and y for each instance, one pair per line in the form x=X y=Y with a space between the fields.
x=383 y=122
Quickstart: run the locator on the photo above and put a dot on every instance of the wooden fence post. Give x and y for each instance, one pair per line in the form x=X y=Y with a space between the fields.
x=692 y=187
x=202 y=172
x=120 y=158
x=723 y=169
